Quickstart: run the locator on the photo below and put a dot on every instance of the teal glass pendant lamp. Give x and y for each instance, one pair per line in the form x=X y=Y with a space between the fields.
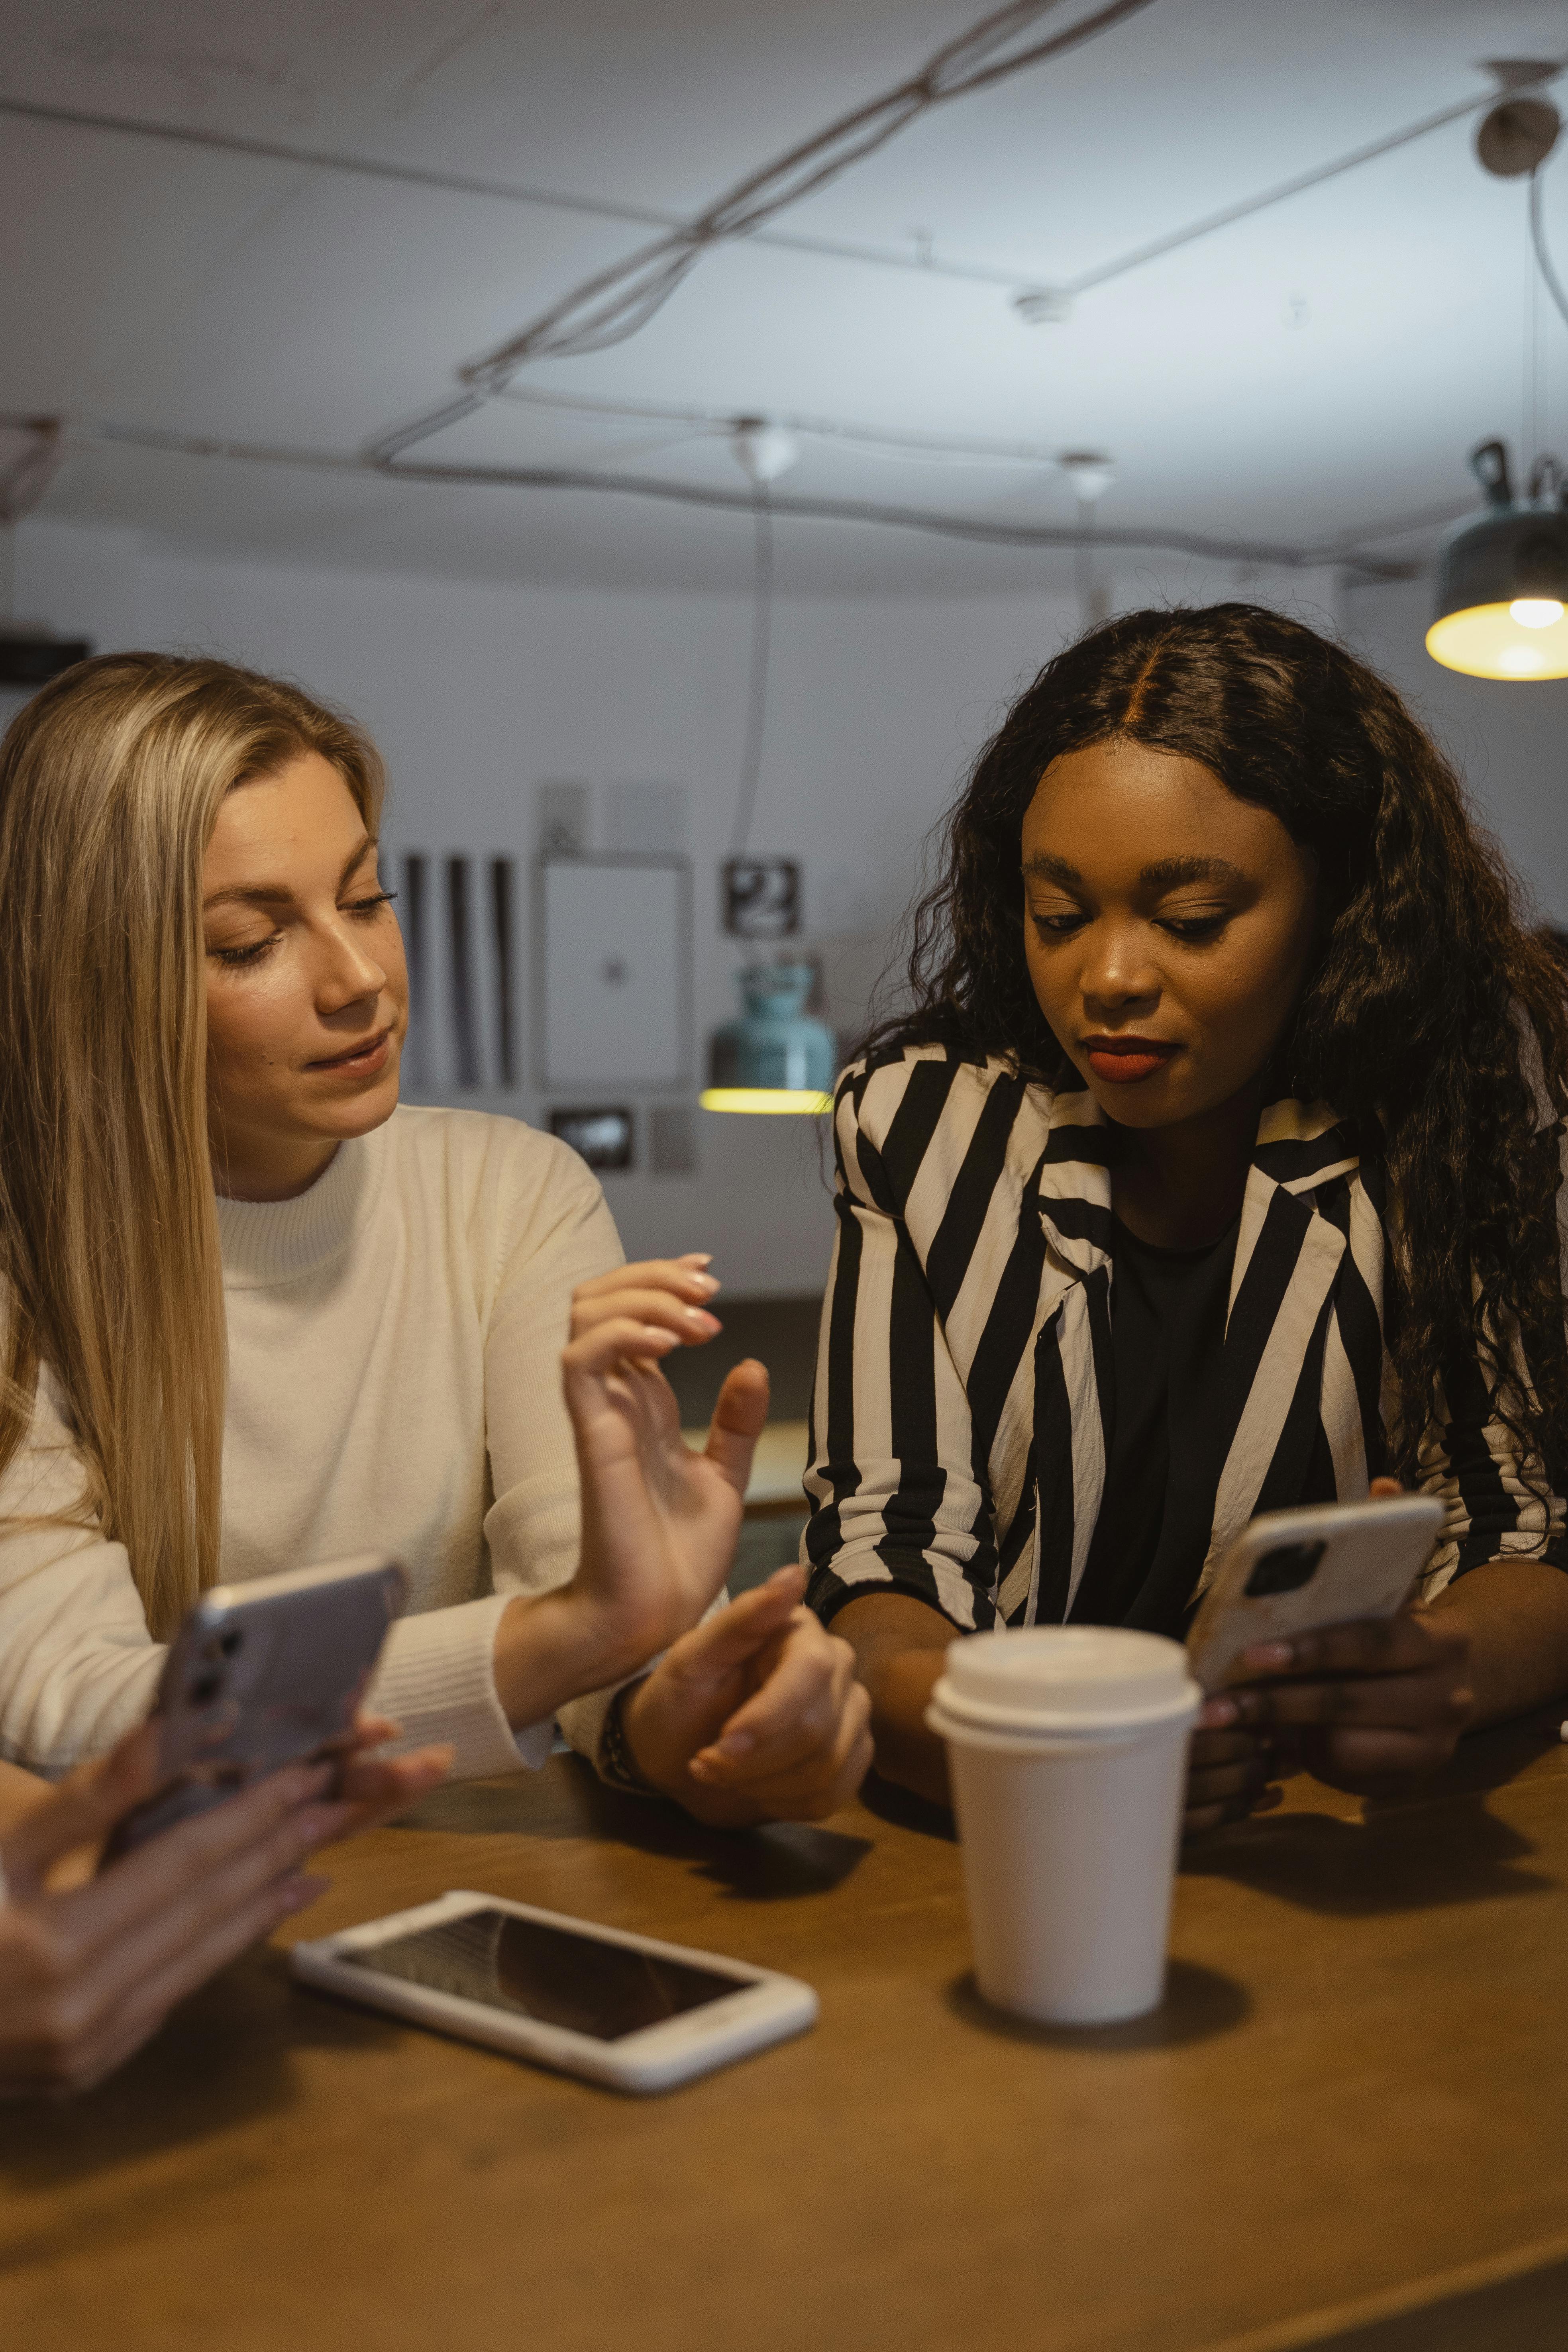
x=776 y=1057
x=1502 y=581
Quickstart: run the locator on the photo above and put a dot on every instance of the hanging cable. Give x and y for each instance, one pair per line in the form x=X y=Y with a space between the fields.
x=1548 y=276
x=757 y=680
x=979 y=529
x=23 y=483
x=940 y=447
x=615 y=303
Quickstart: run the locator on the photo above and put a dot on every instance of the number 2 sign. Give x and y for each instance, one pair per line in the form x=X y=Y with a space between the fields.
x=761 y=897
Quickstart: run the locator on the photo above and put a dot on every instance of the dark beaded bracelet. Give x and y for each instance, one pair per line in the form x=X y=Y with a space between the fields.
x=617 y=1765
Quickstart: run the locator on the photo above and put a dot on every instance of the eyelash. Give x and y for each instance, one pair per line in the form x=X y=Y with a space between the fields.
x=1193 y=932
x=363 y=910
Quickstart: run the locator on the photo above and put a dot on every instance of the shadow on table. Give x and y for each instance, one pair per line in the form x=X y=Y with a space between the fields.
x=222 y=2059
x=1199 y=2003
x=1400 y=1858
x=1437 y=1845
x=905 y=1810
x=784 y=1860
x=1487 y=1759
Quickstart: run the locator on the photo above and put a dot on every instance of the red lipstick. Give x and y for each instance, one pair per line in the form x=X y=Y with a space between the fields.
x=1125 y=1060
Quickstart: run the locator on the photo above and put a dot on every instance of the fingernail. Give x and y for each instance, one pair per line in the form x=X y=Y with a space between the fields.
x=1216 y=1714
x=696 y=1257
x=708 y=1284
x=320 y=1823
x=736 y=1743
x=697 y=1319
x=1268 y=1657
x=656 y=1337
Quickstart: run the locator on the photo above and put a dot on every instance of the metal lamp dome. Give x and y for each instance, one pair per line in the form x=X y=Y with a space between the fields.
x=776 y=1057
x=1502 y=581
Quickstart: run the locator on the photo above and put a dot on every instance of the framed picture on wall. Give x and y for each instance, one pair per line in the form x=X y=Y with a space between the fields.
x=601 y=1136
x=613 y=973
x=761 y=897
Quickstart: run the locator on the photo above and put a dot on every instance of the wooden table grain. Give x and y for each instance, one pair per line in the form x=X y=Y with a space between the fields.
x=1350 y=2119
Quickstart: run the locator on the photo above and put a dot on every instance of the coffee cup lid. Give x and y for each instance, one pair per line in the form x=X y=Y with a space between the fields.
x=1075 y=1671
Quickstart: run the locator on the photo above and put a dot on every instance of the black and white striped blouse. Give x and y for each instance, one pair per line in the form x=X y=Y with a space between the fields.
x=965 y=1373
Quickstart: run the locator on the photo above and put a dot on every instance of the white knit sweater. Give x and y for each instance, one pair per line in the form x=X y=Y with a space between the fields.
x=395 y=1338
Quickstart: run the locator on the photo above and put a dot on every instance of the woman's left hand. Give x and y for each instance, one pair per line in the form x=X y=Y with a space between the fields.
x=1369 y=1708
x=754 y=1715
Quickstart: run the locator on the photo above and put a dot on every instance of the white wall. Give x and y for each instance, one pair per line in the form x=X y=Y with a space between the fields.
x=477 y=693
x=1510 y=741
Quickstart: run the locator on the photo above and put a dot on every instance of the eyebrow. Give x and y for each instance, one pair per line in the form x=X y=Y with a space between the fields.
x=277 y=894
x=1164 y=874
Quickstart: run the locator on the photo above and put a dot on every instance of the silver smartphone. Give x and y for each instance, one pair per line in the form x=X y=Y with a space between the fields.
x=624 y=2010
x=1292 y=1571
x=260 y=1676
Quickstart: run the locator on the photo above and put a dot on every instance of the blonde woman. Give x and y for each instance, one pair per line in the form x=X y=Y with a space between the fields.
x=258 y=1315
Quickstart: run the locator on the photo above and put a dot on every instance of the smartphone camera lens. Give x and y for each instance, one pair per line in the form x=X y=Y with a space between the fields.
x=205 y=1689
x=229 y=1642
x=1284 y=1570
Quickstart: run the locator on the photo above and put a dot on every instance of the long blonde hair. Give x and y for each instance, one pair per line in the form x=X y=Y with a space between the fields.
x=111 y=782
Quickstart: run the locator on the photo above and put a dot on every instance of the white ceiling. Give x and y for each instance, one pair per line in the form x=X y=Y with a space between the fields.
x=1298 y=376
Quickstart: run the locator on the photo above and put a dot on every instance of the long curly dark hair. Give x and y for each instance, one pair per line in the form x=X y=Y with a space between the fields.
x=1416 y=1016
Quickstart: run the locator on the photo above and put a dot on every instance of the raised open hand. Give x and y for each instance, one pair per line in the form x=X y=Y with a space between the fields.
x=659 y=1521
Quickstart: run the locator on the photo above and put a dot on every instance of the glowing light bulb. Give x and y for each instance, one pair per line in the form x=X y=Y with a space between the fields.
x=1535 y=612
x=1519 y=661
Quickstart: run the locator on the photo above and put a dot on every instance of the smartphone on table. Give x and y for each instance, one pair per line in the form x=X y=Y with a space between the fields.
x=263 y=1675
x=1294 y=1572
x=624 y=2010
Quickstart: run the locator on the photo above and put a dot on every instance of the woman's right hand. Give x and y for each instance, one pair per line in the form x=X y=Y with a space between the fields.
x=89 y=1966
x=659 y=1521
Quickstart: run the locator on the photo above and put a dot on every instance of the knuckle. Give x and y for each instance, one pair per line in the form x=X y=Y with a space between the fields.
x=53 y=1952
x=1386 y=1638
x=63 y=2021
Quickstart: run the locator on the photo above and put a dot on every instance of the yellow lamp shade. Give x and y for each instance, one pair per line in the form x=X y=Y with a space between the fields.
x=1497 y=641
x=774 y=1099
x=1502 y=581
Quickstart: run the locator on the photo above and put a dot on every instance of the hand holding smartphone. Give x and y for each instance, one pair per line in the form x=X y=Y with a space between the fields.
x=1294 y=1572
x=260 y=1676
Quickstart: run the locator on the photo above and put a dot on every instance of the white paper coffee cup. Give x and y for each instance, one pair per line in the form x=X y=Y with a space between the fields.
x=1067 y=1748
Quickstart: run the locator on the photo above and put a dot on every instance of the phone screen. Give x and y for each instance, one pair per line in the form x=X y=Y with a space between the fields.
x=554 y=1974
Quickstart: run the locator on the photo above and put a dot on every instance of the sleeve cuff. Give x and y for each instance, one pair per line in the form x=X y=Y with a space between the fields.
x=436 y=1680
x=583 y=1720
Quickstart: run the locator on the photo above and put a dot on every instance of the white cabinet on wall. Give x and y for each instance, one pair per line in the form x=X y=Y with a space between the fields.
x=613 y=973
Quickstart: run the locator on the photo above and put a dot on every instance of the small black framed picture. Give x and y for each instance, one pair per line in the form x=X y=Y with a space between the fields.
x=761 y=897
x=604 y=1138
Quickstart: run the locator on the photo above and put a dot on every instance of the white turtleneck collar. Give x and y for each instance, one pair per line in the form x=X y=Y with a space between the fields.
x=267 y=1242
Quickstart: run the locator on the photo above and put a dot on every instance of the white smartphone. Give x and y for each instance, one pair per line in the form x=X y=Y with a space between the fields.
x=621 y=2008
x=259 y=1676
x=1292 y=1571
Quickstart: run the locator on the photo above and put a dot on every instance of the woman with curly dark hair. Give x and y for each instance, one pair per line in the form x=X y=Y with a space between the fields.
x=1214 y=1168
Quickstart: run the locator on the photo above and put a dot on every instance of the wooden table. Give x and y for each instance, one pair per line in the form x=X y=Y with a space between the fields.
x=1353 y=2106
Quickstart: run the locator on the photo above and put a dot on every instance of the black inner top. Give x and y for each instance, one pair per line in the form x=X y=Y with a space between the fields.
x=1167 y=1328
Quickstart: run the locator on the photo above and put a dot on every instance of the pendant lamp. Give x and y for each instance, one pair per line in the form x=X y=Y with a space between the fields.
x=1502 y=582
x=776 y=1057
